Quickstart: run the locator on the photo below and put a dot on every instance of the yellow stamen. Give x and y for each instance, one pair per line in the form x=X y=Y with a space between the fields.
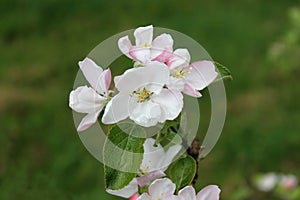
x=142 y=95
x=180 y=73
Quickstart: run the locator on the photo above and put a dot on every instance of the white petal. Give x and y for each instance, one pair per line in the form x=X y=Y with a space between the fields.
x=125 y=45
x=144 y=196
x=171 y=103
x=171 y=197
x=149 y=177
x=145 y=113
x=202 y=74
x=160 y=44
x=92 y=73
x=180 y=57
x=156 y=74
x=116 y=109
x=187 y=193
x=127 y=191
x=211 y=192
x=88 y=121
x=169 y=156
x=143 y=35
x=152 y=156
x=140 y=54
x=176 y=83
x=86 y=100
x=161 y=188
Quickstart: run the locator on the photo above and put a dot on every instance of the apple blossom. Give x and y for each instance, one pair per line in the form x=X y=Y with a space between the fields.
x=143 y=98
x=267 y=182
x=146 y=50
x=189 y=78
x=210 y=192
x=155 y=161
x=162 y=189
x=90 y=100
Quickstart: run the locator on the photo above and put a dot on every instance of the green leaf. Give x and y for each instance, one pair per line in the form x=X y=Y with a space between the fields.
x=168 y=134
x=182 y=171
x=123 y=154
x=115 y=179
x=223 y=71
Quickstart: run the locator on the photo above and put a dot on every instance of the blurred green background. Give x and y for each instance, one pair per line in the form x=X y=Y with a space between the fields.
x=41 y=156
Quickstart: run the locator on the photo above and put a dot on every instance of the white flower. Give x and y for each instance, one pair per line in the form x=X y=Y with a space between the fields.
x=142 y=97
x=146 y=50
x=155 y=162
x=90 y=100
x=189 y=78
x=267 y=182
x=211 y=192
x=160 y=189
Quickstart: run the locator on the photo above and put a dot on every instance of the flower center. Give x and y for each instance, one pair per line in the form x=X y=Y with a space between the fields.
x=146 y=45
x=142 y=95
x=180 y=73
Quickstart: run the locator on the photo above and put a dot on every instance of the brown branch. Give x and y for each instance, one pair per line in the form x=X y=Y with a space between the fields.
x=194 y=151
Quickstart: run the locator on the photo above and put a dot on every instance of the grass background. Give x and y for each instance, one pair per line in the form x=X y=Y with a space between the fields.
x=41 y=41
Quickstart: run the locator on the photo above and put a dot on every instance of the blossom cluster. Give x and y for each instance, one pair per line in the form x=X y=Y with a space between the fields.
x=149 y=93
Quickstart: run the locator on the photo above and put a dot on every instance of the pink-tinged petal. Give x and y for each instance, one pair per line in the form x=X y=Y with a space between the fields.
x=92 y=72
x=164 y=56
x=143 y=35
x=189 y=90
x=134 y=197
x=88 y=121
x=201 y=75
x=148 y=178
x=124 y=45
x=116 y=109
x=161 y=188
x=211 y=192
x=160 y=44
x=141 y=54
x=105 y=81
x=187 y=193
x=180 y=58
x=155 y=73
x=127 y=191
x=144 y=196
x=145 y=114
x=171 y=103
x=86 y=100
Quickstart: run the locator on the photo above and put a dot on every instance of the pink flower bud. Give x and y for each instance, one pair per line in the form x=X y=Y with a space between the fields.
x=289 y=182
x=134 y=197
